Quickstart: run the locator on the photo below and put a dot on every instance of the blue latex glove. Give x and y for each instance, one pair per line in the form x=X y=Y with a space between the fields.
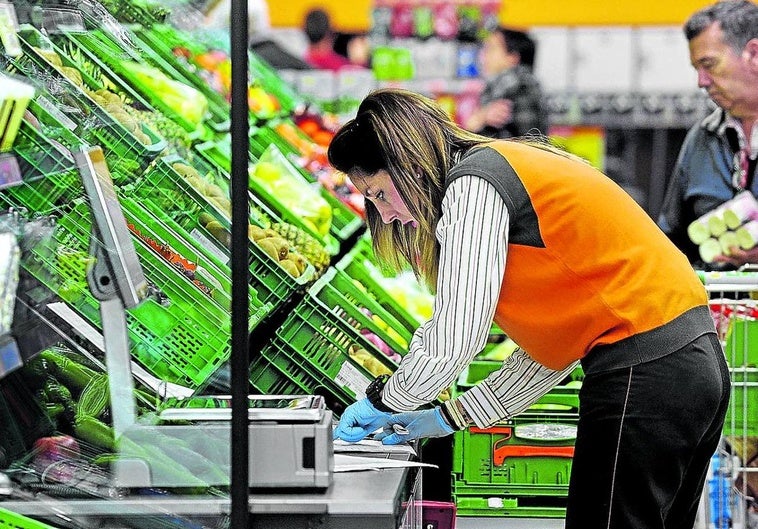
x=404 y=427
x=359 y=420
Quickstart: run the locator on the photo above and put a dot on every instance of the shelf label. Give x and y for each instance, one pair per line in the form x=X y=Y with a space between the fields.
x=209 y=245
x=350 y=377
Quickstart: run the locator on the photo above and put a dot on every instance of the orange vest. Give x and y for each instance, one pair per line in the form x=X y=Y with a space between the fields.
x=586 y=265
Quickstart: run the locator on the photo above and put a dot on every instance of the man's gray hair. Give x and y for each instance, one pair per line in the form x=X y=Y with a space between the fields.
x=738 y=20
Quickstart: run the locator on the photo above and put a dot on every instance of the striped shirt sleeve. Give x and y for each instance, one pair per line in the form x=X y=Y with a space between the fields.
x=473 y=236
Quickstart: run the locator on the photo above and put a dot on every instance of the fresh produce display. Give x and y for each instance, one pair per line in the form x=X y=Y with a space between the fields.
x=368 y=361
x=153 y=120
x=182 y=99
x=307 y=136
x=275 y=176
x=292 y=248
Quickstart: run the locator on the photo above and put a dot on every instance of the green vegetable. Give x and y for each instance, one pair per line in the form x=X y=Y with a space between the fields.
x=94 y=432
x=94 y=398
x=74 y=375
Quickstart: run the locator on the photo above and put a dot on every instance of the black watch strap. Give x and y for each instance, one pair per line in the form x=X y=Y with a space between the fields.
x=374 y=393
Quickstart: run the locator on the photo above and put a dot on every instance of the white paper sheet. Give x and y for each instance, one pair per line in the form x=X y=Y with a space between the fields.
x=353 y=463
x=372 y=446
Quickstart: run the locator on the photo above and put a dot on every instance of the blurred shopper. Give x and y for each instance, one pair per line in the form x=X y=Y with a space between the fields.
x=320 y=53
x=511 y=103
x=718 y=157
x=356 y=47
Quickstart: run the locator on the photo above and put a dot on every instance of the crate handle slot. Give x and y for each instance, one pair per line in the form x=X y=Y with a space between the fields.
x=507 y=430
x=499 y=454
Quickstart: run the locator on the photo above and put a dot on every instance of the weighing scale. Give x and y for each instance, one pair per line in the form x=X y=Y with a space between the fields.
x=290 y=436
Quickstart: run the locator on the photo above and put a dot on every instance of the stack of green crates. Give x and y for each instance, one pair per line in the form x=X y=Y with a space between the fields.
x=101 y=49
x=156 y=45
x=520 y=467
x=91 y=121
x=497 y=473
x=181 y=332
x=172 y=199
x=311 y=351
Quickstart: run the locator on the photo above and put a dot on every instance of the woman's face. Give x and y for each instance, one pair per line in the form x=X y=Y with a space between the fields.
x=383 y=194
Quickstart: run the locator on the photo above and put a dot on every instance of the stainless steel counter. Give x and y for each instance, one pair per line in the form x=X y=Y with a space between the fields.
x=372 y=499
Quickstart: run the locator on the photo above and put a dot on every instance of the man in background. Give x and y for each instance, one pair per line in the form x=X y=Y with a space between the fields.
x=320 y=53
x=511 y=103
x=718 y=157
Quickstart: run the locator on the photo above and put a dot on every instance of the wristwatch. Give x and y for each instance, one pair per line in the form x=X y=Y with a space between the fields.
x=374 y=393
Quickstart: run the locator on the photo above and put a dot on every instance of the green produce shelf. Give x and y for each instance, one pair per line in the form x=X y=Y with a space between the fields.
x=344 y=221
x=157 y=44
x=312 y=349
x=353 y=264
x=347 y=299
x=50 y=177
x=179 y=334
x=101 y=49
x=12 y=520
x=172 y=199
x=93 y=123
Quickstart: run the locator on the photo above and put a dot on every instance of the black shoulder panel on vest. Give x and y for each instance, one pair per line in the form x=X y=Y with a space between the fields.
x=492 y=166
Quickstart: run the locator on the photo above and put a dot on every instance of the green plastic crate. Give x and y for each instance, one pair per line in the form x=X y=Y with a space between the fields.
x=497 y=461
x=168 y=196
x=342 y=297
x=345 y=222
x=94 y=123
x=157 y=44
x=278 y=373
x=179 y=334
x=353 y=264
x=510 y=507
x=50 y=178
x=741 y=417
x=96 y=44
x=315 y=344
x=12 y=520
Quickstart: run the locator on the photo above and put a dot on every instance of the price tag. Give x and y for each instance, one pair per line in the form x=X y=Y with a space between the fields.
x=9 y=29
x=10 y=172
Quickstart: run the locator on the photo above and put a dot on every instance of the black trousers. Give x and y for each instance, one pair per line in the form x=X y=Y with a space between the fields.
x=645 y=437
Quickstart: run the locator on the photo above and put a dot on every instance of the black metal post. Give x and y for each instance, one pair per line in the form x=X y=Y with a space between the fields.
x=240 y=303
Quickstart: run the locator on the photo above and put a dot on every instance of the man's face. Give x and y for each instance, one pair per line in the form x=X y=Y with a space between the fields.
x=729 y=76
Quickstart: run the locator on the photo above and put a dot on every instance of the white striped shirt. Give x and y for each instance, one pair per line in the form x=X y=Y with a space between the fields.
x=473 y=236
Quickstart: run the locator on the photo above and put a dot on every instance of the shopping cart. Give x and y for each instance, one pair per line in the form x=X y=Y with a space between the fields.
x=730 y=498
